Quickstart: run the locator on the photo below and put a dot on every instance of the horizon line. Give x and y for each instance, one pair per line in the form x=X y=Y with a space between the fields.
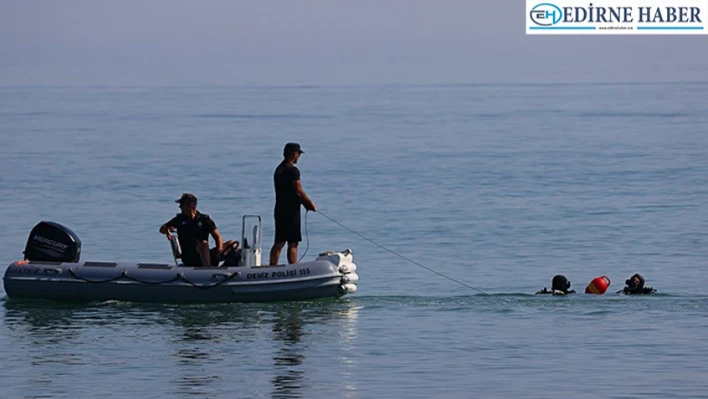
x=324 y=85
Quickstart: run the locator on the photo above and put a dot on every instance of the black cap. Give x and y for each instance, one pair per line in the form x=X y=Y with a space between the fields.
x=291 y=148
x=186 y=197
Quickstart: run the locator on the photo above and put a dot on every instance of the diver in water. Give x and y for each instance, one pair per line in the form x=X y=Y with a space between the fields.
x=635 y=286
x=559 y=286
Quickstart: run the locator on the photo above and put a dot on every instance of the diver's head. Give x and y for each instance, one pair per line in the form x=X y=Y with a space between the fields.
x=635 y=283
x=560 y=283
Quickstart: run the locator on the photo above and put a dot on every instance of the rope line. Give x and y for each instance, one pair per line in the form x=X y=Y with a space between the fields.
x=402 y=256
x=179 y=276
x=306 y=236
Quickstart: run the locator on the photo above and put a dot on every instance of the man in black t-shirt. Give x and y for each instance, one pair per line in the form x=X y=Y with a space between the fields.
x=193 y=230
x=289 y=195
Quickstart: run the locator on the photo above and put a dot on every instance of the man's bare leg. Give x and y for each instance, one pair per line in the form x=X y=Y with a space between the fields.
x=292 y=252
x=275 y=252
x=203 y=251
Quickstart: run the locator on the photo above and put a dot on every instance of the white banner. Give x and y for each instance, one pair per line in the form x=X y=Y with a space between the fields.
x=617 y=17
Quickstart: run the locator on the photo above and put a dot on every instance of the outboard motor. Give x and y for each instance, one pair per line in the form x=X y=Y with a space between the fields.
x=52 y=242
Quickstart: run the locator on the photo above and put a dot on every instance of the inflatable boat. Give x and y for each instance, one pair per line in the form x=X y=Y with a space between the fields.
x=51 y=270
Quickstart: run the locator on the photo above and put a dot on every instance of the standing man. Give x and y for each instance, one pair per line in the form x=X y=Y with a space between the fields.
x=289 y=195
x=193 y=230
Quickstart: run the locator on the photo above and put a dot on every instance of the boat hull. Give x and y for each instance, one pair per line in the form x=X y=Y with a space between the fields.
x=329 y=276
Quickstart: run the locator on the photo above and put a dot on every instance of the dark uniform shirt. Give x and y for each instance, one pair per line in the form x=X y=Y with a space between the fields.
x=191 y=232
x=286 y=199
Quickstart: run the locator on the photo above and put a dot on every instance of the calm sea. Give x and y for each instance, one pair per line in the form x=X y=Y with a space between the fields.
x=498 y=187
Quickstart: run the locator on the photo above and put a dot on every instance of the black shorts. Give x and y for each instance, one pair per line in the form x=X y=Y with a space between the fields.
x=193 y=259
x=287 y=227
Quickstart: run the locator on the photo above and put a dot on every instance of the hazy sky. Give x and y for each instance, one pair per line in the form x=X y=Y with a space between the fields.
x=318 y=42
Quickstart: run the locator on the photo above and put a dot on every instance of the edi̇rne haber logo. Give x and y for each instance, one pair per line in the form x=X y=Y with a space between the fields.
x=633 y=17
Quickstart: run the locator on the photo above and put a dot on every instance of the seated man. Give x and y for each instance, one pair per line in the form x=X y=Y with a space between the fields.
x=193 y=230
x=560 y=285
x=635 y=286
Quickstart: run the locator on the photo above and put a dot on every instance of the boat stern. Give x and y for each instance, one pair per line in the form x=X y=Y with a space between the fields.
x=344 y=261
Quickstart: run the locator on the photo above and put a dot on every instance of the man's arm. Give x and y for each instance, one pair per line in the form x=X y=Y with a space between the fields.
x=167 y=228
x=218 y=240
x=210 y=226
x=306 y=201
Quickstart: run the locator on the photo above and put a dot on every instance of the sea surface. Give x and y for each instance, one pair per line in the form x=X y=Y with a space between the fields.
x=489 y=189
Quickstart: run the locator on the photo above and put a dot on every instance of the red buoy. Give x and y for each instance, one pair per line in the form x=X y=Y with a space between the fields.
x=598 y=285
